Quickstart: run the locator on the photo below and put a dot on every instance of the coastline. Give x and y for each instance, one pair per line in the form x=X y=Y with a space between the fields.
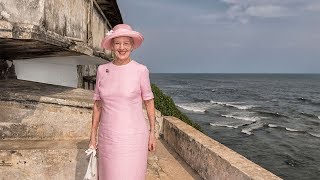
x=268 y=119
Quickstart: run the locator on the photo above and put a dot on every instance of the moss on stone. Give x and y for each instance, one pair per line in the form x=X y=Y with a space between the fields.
x=166 y=106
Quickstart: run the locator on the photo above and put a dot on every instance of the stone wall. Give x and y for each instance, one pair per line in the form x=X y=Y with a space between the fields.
x=44 y=131
x=46 y=28
x=208 y=157
x=36 y=111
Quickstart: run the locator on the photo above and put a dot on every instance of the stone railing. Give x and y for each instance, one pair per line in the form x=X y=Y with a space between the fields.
x=209 y=158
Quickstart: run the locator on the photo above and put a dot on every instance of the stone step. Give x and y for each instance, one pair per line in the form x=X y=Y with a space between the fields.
x=66 y=159
x=36 y=120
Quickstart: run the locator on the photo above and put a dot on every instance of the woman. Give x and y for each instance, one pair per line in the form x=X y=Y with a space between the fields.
x=124 y=137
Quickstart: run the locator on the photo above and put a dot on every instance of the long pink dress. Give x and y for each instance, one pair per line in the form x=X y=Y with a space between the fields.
x=123 y=131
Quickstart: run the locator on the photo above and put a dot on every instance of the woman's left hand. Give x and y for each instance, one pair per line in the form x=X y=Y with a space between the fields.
x=152 y=142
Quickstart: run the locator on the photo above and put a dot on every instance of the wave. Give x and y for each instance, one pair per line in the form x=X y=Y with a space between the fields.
x=245 y=118
x=195 y=107
x=293 y=130
x=309 y=115
x=304 y=99
x=308 y=101
x=224 y=89
x=272 y=125
x=246 y=131
x=199 y=100
x=228 y=104
x=272 y=114
x=283 y=127
x=315 y=135
x=254 y=126
x=224 y=125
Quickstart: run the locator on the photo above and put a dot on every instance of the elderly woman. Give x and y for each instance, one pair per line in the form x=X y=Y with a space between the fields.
x=124 y=137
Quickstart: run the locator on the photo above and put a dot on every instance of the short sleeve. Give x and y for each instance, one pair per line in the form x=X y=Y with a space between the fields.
x=145 y=86
x=96 y=93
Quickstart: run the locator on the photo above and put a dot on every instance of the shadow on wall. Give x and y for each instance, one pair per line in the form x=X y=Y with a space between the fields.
x=7 y=70
x=82 y=160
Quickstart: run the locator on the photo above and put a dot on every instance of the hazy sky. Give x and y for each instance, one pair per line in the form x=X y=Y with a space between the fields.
x=226 y=36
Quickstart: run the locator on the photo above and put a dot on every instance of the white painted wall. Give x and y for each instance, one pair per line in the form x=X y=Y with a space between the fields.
x=57 y=70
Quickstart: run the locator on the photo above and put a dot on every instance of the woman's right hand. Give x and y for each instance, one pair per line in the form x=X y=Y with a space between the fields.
x=93 y=144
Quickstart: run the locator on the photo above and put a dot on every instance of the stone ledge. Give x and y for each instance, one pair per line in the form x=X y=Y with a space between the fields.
x=41 y=41
x=66 y=159
x=208 y=157
x=33 y=92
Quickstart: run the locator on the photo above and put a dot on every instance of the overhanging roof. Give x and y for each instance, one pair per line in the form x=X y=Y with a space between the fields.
x=111 y=11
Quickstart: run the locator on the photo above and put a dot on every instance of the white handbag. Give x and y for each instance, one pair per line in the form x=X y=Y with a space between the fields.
x=92 y=171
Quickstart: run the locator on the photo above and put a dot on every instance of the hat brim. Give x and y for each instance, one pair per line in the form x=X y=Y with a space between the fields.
x=136 y=36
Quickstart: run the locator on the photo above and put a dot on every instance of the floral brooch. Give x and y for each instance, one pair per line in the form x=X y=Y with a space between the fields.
x=109 y=33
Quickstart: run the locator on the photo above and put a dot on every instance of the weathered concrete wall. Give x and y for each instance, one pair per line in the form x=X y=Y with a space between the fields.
x=24 y=11
x=59 y=16
x=44 y=131
x=47 y=112
x=99 y=29
x=66 y=18
x=208 y=157
x=51 y=28
x=43 y=121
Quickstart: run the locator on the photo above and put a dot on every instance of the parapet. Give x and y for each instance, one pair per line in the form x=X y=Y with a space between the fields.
x=209 y=158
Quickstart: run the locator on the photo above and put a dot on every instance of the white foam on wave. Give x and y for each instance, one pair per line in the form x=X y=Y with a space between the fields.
x=199 y=107
x=286 y=128
x=318 y=117
x=246 y=131
x=245 y=118
x=272 y=125
x=223 y=125
x=252 y=127
x=242 y=107
x=292 y=130
x=315 y=135
x=230 y=104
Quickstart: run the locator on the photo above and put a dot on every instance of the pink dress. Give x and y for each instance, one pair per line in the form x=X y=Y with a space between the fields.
x=123 y=131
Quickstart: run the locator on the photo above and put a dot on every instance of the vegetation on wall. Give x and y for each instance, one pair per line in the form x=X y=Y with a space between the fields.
x=166 y=106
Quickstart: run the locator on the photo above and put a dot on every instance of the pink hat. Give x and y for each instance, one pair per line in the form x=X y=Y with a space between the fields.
x=122 y=30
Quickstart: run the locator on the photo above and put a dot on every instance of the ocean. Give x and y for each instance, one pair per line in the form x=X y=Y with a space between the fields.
x=271 y=119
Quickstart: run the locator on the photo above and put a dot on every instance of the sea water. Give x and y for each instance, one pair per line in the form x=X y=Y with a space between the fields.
x=271 y=119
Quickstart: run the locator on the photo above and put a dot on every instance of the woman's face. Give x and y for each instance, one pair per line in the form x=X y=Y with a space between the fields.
x=122 y=46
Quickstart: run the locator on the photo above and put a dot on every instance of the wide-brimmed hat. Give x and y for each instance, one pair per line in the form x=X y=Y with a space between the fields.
x=122 y=30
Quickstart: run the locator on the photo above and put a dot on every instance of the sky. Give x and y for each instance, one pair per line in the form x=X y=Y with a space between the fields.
x=226 y=36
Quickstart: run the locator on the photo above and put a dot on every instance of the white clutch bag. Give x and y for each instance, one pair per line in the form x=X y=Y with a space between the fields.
x=92 y=171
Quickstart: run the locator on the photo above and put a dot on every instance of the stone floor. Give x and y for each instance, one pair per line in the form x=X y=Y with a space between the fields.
x=165 y=164
x=43 y=159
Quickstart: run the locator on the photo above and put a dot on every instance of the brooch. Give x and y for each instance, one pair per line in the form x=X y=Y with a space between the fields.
x=107 y=70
